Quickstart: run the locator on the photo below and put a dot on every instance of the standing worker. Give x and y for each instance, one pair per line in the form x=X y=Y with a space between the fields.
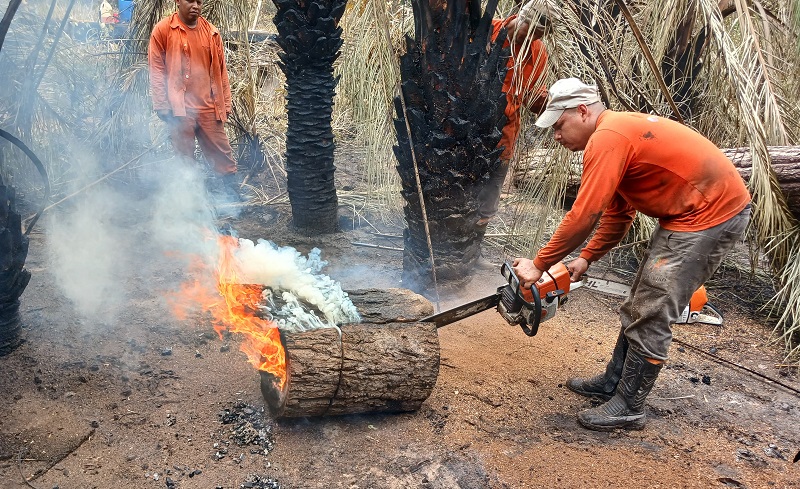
x=523 y=85
x=190 y=89
x=107 y=18
x=638 y=162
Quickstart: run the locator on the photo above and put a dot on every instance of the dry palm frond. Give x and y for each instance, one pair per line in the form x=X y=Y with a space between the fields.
x=369 y=70
x=761 y=108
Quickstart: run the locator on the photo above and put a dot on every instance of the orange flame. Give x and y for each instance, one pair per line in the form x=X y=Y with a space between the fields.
x=233 y=307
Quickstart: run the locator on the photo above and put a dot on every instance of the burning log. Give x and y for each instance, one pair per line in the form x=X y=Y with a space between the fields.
x=13 y=277
x=286 y=311
x=370 y=368
x=360 y=368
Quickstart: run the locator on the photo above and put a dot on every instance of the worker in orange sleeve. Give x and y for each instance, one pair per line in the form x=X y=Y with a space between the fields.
x=523 y=86
x=633 y=163
x=190 y=89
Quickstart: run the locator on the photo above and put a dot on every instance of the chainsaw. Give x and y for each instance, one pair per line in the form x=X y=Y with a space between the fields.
x=529 y=307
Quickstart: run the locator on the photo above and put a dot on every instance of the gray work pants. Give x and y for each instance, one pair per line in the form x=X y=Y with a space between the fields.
x=489 y=196
x=675 y=265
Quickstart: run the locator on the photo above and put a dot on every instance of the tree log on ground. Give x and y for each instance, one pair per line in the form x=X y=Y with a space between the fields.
x=388 y=364
x=785 y=162
x=394 y=305
x=369 y=368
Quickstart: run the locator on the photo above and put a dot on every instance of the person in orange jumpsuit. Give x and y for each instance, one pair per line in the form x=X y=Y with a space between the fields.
x=523 y=86
x=633 y=163
x=190 y=89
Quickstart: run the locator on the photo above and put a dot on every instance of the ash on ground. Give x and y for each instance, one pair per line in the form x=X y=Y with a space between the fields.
x=255 y=481
x=248 y=426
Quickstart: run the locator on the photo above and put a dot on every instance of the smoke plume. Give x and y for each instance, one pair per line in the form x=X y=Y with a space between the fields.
x=284 y=270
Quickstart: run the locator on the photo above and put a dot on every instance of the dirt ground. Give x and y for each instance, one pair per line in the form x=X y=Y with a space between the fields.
x=135 y=398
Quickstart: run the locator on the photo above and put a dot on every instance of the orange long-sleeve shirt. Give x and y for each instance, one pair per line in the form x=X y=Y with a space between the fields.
x=638 y=162
x=525 y=88
x=172 y=58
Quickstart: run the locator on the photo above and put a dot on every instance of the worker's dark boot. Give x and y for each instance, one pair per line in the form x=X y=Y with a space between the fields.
x=602 y=386
x=231 y=188
x=626 y=408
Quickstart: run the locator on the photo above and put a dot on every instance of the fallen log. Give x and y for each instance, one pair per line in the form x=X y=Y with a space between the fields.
x=387 y=365
x=785 y=162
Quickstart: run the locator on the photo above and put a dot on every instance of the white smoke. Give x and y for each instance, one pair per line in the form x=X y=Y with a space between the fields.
x=298 y=278
x=85 y=247
x=110 y=248
x=111 y=244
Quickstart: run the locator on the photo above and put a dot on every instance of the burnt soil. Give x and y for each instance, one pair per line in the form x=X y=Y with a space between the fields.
x=140 y=399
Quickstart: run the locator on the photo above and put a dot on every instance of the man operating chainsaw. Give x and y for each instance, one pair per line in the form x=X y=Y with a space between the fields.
x=632 y=163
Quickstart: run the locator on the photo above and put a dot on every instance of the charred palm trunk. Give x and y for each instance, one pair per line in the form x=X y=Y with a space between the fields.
x=452 y=81
x=310 y=36
x=13 y=277
x=682 y=63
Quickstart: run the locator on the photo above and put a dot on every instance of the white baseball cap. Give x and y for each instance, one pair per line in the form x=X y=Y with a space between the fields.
x=564 y=94
x=539 y=12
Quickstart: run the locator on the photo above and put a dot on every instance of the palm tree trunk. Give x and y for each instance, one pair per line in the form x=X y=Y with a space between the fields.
x=310 y=36
x=454 y=109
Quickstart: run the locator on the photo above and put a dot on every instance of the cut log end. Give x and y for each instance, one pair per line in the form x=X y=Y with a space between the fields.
x=369 y=368
x=274 y=394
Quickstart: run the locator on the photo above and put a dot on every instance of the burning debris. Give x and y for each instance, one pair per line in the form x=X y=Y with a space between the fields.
x=255 y=481
x=255 y=289
x=245 y=431
x=284 y=271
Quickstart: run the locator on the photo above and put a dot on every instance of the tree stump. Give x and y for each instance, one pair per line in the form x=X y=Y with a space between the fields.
x=387 y=365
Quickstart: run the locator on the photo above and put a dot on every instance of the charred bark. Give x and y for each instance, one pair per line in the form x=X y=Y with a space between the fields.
x=370 y=368
x=452 y=78
x=310 y=37
x=13 y=276
x=682 y=63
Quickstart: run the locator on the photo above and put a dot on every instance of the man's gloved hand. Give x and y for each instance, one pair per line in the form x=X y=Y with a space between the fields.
x=164 y=114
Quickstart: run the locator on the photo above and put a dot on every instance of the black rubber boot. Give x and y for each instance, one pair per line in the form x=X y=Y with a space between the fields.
x=231 y=188
x=626 y=408
x=602 y=386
